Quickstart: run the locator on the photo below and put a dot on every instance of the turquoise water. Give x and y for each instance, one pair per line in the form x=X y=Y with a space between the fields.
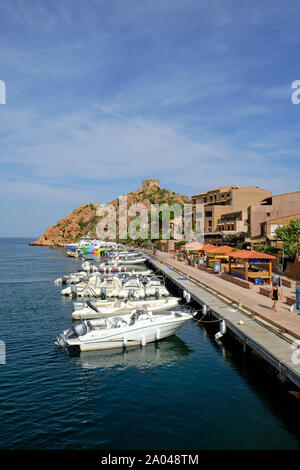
x=187 y=393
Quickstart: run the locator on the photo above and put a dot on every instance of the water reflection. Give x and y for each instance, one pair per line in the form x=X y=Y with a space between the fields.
x=152 y=355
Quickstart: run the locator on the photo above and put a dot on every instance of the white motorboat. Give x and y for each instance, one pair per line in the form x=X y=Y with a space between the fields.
x=137 y=328
x=89 y=267
x=137 y=260
x=97 y=309
x=155 y=288
x=72 y=278
x=112 y=268
x=132 y=289
x=95 y=287
x=125 y=255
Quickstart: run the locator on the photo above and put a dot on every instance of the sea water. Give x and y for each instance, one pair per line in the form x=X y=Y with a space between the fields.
x=187 y=392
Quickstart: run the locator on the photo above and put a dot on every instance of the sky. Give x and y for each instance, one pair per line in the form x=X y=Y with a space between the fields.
x=102 y=94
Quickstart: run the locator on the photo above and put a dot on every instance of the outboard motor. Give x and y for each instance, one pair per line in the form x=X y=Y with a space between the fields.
x=131 y=294
x=79 y=329
x=61 y=341
x=73 y=290
x=103 y=293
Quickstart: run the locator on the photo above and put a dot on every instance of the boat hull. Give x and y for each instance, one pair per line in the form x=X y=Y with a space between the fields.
x=90 y=314
x=133 y=338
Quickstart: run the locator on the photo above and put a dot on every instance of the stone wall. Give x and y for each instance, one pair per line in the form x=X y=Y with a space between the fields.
x=151 y=184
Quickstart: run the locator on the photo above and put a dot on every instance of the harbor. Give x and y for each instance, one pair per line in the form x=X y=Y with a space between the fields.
x=88 y=401
x=102 y=395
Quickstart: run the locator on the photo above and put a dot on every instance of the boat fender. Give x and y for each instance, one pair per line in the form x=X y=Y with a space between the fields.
x=188 y=297
x=223 y=327
x=222 y=330
x=204 y=309
x=124 y=340
x=218 y=336
x=156 y=292
x=157 y=334
x=184 y=294
x=131 y=294
x=143 y=340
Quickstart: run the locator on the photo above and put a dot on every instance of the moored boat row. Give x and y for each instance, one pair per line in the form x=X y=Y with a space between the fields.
x=119 y=309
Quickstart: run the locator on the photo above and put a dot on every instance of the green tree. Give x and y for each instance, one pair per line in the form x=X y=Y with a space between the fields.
x=290 y=235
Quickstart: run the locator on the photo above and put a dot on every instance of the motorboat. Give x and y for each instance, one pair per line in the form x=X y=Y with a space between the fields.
x=137 y=328
x=133 y=260
x=97 y=309
x=125 y=254
x=155 y=288
x=132 y=289
x=72 y=278
x=112 y=268
x=87 y=245
x=72 y=254
x=95 y=287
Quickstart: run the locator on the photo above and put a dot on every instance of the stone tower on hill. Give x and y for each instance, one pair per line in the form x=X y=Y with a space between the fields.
x=151 y=184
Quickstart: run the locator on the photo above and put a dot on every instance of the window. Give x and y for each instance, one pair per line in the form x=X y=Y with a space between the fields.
x=209 y=223
x=268 y=214
x=208 y=213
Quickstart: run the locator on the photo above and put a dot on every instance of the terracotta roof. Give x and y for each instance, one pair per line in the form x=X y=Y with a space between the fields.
x=249 y=254
x=207 y=246
x=198 y=246
x=193 y=246
x=220 y=249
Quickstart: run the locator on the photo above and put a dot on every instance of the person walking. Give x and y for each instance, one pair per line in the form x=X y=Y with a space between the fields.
x=274 y=297
x=277 y=280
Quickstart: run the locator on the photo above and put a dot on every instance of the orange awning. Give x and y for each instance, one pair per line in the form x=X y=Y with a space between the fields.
x=250 y=254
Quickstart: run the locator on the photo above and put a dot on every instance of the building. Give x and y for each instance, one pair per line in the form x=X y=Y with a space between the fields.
x=268 y=228
x=166 y=245
x=270 y=209
x=151 y=184
x=226 y=208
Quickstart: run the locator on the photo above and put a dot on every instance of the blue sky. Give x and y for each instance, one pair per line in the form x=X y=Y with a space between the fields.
x=102 y=94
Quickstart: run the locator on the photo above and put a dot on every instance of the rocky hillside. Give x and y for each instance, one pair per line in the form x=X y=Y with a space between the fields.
x=85 y=219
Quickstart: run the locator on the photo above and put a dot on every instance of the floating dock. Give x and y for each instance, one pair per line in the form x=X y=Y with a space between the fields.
x=279 y=350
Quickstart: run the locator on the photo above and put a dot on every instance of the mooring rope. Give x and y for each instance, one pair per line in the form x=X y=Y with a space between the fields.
x=207 y=321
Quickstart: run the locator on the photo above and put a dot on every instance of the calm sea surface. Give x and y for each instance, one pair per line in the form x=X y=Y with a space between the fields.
x=187 y=393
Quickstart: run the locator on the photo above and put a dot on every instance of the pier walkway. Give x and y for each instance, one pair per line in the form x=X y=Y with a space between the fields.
x=260 y=305
x=275 y=343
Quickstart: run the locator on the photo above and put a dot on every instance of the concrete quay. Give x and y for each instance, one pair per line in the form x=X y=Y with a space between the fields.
x=272 y=335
